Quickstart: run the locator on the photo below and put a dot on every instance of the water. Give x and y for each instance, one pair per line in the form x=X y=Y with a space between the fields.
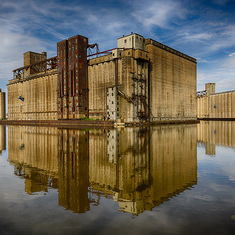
x=177 y=179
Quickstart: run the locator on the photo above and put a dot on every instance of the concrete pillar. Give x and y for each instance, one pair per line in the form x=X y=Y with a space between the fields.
x=2 y=105
x=210 y=89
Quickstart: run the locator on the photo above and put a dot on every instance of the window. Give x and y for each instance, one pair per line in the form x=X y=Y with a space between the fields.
x=125 y=41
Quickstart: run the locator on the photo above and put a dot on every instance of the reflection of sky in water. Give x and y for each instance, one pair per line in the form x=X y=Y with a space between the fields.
x=205 y=208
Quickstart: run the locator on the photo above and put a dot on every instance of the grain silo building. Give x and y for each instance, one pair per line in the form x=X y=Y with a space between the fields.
x=141 y=80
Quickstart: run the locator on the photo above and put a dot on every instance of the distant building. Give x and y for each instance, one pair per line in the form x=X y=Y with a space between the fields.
x=140 y=80
x=211 y=105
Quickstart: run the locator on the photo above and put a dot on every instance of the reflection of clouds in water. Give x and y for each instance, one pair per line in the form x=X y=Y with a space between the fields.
x=226 y=161
x=205 y=205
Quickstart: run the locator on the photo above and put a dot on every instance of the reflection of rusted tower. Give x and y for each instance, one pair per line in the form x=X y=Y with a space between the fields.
x=73 y=170
x=72 y=78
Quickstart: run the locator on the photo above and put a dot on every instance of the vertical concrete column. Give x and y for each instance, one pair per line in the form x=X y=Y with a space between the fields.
x=2 y=105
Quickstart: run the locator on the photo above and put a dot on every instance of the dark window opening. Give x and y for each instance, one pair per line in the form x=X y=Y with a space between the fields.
x=72 y=83
x=80 y=100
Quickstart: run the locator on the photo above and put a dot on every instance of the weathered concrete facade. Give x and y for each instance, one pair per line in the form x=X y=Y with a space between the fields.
x=33 y=98
x=128 y=76
x=141 y=80
x=154 y=82
x=211 y=105
x=172 y=84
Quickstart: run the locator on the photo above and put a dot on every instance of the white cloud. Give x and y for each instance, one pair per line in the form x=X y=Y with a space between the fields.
x=232 y=54
x=157 y=13
x=198 y=36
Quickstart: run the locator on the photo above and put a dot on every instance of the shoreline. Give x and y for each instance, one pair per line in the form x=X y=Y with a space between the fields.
x=91 y=123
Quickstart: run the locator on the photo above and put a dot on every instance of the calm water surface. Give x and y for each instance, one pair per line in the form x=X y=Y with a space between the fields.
x=159 y=180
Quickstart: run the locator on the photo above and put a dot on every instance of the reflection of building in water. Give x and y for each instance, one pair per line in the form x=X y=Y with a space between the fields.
x=36 y=180
x=73 y=170
x=2 y=138
x=138 y=167
x=146 y=168
x=34 y=153
x=216 y=133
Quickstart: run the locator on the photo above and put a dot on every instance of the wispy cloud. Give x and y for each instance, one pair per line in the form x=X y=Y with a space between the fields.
x=232 y=54
x=157 y=13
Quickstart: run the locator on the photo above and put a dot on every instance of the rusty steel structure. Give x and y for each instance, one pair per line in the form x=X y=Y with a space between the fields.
x=72 y=78
x=38 y=67
x=92 y=49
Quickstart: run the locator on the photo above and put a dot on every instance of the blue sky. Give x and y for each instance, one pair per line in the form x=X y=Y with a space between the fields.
x=204 y=30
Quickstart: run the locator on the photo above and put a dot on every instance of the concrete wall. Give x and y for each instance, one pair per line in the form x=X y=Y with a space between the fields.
x=100 y=77
x=172 y=85
x=125 y=72
x=171 y=93
x=31 y=58
x=2 y=105
x=40 y=98
x=219 y=105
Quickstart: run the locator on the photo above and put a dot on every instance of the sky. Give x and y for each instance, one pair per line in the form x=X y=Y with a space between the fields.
x=201 y=29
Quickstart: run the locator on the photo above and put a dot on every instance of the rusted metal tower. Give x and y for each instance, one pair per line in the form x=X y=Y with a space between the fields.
x=72 y=78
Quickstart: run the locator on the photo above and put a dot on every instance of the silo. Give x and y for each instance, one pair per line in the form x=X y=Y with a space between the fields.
x=2 y=105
